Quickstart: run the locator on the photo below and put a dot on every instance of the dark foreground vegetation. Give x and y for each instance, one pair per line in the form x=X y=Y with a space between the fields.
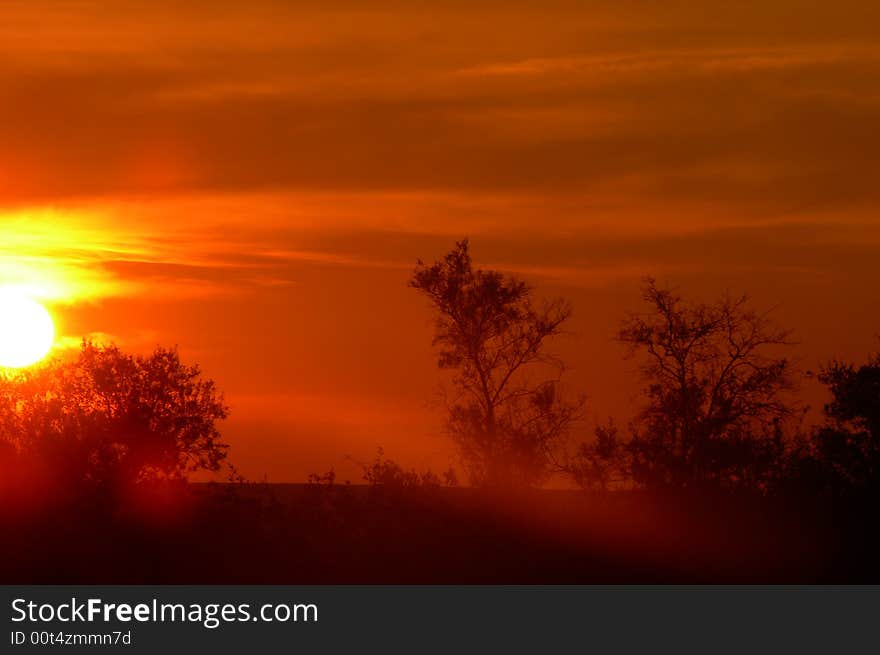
x=716 y=477
x=297 y=534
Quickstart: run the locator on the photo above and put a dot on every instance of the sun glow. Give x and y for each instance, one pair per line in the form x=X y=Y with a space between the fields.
x=26 y=330
x=38 y=258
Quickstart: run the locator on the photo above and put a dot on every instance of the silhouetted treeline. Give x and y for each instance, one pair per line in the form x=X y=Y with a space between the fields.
x=720 y=407
x=715 y=477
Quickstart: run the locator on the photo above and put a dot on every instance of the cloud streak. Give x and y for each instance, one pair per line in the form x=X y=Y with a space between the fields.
x=778 y=116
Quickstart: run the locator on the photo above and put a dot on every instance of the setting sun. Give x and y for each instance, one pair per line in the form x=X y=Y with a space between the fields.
x=26 y=330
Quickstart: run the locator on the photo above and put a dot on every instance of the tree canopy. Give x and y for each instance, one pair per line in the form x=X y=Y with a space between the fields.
x=111 y=417
x=507 y=414
x=845 y=452
x=715 y=386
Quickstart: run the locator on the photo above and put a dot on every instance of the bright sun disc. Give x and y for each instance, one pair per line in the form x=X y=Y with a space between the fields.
x=26 y=330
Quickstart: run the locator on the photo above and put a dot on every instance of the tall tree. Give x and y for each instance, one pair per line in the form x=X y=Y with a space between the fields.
x=715 y=387
x=507 y=415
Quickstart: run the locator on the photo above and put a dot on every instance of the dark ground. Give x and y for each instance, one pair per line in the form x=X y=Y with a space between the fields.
x=302 y=534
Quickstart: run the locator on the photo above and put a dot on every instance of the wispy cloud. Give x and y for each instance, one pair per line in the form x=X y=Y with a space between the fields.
x=563 y=99
x=592 y=67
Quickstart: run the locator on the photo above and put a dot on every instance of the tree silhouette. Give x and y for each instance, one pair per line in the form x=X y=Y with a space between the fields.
x=602 y=463
x=114 y=418
x=846 y=451
x=715 y=389
x=507 y=414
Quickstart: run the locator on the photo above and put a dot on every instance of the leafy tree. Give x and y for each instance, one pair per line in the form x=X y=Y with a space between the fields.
x=111 y=417
x=507 y=414
x=716 y=391
x=846 y=451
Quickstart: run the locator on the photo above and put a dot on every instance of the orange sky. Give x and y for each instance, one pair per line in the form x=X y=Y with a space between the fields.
x=254 y=181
